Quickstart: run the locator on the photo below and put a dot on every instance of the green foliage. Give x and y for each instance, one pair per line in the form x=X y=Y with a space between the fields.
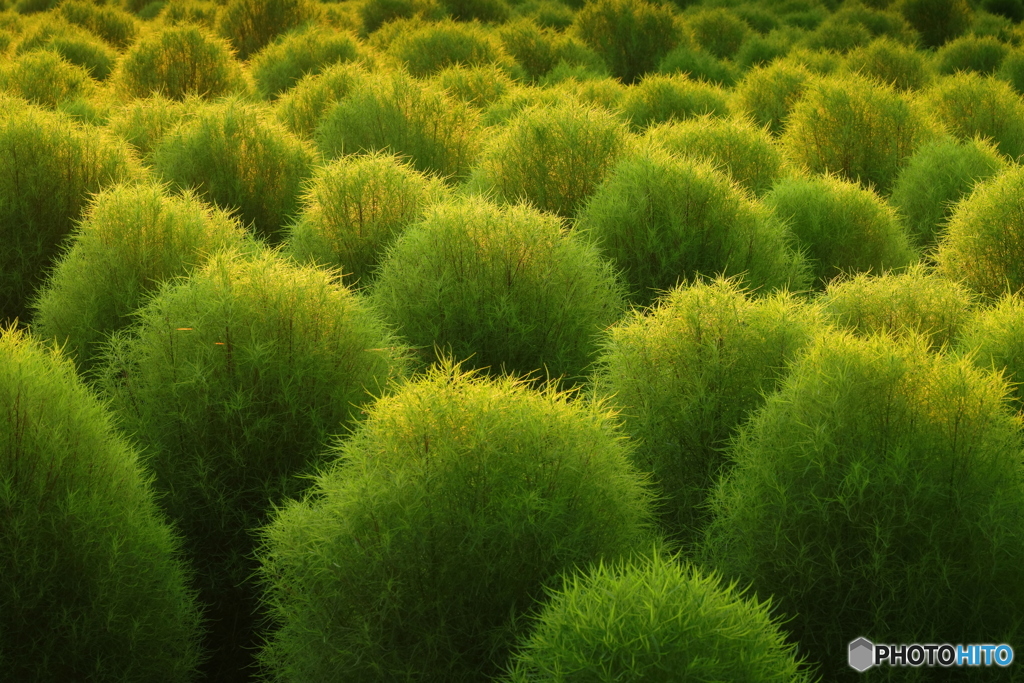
x=251 y=25
x=451 y=510
x=638 y=620
x=45 y=78
x=820 y=62
x=201 y=12
x=970 y=105
x=659 y=99
x=758 y=50
x=1012 y=70
x=305 y=51
x=993 y=338
x=745 y=152
x=302 y=107
x=981 y=54
x=425 y=51
x=49 y=166
x=860 y=129
x=663 y=220
x=936 y=177
x=917 y=302
x=552 y=155
x=375 y=13
x=508 y=286
x=552 y=14
x=686 y=373
x=630 y=35
x=891 y=63
x=699 y=66
x=717 y=30
x=479 y=86
x=398 y=114
x=93 y=585
x=843 y=226
x=938 y=21
x=983 y=243
x=144 y=122
x=239 y=160
x=130 y=240
x=260 y=364
x=837 y=36
x=113 y=25
x=178 y=62
x=353 y=210
x=879 y=490
x=491 y=11
x=74 y=44
x=768 y=93
x=1009 y=9
x=537 y=50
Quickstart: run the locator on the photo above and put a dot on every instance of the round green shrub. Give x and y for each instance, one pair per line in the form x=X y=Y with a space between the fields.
x=201 y=12
x=353 y=210
x=251 y=25
x=144 y=122
x=552 y=155
x=552 y=14
x=396 y=113
x=970 y=105
x=663 y=220
x=375 y=13
x=842 y=226
x=936 y=177
x=448 y=513
x=686 y=373
x=425 y=51
x=820 y=62
x=983 y=243
x=537 y=49
x=178 y=62
x=918 y=301
x=112 y=24
x=767 y=94
x=1009 y=9
x=239 y=160
x=745 y=152
x=860 y=129
x=74 y=44
x=717 y=30
x=490 y=11
x=993 y=338
x=758 y=50
x=45 y=78
x=630 y=35
x=508 y=288
x=891 y=63
x=659 y=98
x=130 y=239
x=479 y=86
x=258 y=364
x=879 y=490
x=606 y=93
x=635 y=621
x=49 y=165
x=93 y=584
x=980 y=54
x=304 y=51
x=938 y=21
x=1012 y=70
x=879 y=21
x=302 y=107
x=497 y=115
x=837 y=36
x=699 y=66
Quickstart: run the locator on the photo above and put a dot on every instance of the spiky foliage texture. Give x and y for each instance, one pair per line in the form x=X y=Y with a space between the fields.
x=354 y=208
x=686 y=373
x=659 y=98
x=552 y=155
x=48 y=167
x=630 y=35
x=73 y=43
x=375 y=13
x=980 y=54
x=892 y=63
x=698 y=65
x=109 y=22
x=663 y=220
x=91 y=576
x=857 y=128
x=878 y=490
x=308 y=50
x=201 y=12
x=638 y=620
x=936 y=178
x=144 y=122
x=426 y=50
x=768 y=93
x=842 y=226
x=718 y=30
x=251 y=25
x=993 y=338
x=539 y=49
x=507 y=286
x=235 y=380
x=479 y=86
x=45 y=78
x=302 y=107
x=237 y=158
x=970 y=104
x=446 y=515
x=938 y=21
x=1012 y=69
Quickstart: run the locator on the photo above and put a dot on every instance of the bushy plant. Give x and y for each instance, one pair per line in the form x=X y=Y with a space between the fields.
x=916 y=302
x=112 y=24
x=843 y=226
x=552 y=14
x=260 y=363
x=1012 y=70
x=552 y=155
x=479 y=86
x=767 y=94
x=490 y=11
x=144 y=122
x=49 y=166
x=698 y=65
x=74 y=44
x=251 y=25
x=375 y=13
x=93 y=583
x=837 y=36
x=425 y=51
x=302 y=107
x=969 y=105
x=758 y=50
x=820 y=62
x=1009 y=9
x=305 y=51
x=45 y=78
x=857 y=128
x=201 y=12
x=606 y=93
x=233 y=156
x=938 y=21
x=130 y=239
x=993 y=338
x=446 y=515
x=504 y=288
x=936 y=177
x=537 y=49
x=980 y=54
x=717 y=30
x=636 y=620
x=398 y=114
x=879 y=490
x=178 y=62
x=658 y=99
x=354 y=208
x=686 y=373
x=747 y=153
x=891 y=63
x=663 y=220
x=630 y=35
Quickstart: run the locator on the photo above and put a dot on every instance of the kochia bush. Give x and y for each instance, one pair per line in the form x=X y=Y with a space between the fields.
x=45 y=78
x=251 y=25
x=302 y=107
x=981 y=54
x=144 y=122
x=74 y=44
x=768 y=93
x=970 y=105
x=993 y=338
x=892 y=63
x=112 y=24
x=281 y=64
x=426 y=50
x=630 y=35
x=658 y=99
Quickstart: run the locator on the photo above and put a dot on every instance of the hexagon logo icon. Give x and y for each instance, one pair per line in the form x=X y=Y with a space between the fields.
x=862 y=654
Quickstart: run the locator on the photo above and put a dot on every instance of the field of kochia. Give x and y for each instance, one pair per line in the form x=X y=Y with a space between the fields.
x=509 y=341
